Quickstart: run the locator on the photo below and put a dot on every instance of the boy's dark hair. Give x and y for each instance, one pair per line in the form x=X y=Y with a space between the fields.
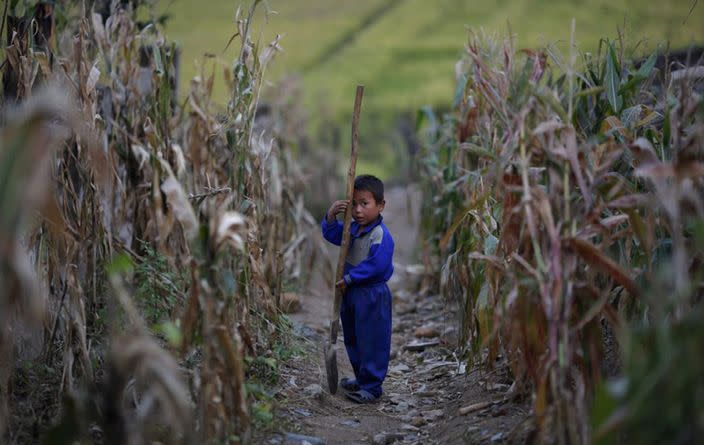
x=372 y=184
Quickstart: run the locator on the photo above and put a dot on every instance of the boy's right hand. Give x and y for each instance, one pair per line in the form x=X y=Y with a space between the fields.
x=336 y=208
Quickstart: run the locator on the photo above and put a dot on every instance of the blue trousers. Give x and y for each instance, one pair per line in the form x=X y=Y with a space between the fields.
x=366 y=324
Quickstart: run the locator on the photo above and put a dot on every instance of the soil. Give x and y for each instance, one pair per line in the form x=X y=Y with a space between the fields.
x=424 y=389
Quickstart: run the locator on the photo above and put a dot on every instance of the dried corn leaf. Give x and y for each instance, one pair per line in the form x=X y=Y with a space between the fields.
x=631 y=201
x=230 y=227
x=178 y=200
x=594 y=257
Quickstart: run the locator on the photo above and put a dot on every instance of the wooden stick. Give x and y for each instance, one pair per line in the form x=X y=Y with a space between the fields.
x=477 y=406
x=344 y=246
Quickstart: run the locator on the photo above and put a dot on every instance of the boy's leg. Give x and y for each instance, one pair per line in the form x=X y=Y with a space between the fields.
x=372 y=312
x=348 y=329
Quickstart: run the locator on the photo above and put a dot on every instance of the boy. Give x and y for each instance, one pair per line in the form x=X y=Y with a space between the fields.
x=366 y=305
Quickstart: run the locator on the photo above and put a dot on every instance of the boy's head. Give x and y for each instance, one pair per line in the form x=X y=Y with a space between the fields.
x=368 y=199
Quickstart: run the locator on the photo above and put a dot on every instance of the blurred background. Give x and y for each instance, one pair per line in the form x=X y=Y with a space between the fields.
x=404 y=52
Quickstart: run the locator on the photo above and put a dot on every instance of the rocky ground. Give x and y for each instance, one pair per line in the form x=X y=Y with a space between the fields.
x=431 y=397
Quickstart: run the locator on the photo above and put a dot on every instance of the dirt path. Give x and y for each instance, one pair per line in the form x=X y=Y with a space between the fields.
x=425 y=387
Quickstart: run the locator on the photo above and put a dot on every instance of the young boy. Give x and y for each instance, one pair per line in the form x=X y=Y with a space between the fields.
x=366 y=305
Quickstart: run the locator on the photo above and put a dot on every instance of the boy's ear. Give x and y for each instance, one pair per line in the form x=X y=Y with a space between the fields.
x=381 y=205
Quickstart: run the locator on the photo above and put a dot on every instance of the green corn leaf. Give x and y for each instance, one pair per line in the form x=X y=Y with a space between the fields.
x=590 y=91
x=613 y=80
x=157 y=60
x=121 y=263
x=647 y=67
x=548 y=98
x=631 y=85
x=477 y=150
x=666 y=133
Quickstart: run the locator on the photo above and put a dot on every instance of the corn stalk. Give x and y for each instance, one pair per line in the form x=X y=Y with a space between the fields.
x=553 y=187
x=217 y=197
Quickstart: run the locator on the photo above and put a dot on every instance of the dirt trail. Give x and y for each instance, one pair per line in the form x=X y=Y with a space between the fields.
x=423 y=390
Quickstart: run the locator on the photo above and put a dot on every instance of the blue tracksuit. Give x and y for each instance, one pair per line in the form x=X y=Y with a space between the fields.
x=366 y=306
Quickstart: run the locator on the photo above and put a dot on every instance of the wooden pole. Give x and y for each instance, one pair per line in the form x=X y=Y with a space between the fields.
x=344 y=246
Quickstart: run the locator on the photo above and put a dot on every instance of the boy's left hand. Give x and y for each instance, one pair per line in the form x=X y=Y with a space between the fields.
x=341 y=285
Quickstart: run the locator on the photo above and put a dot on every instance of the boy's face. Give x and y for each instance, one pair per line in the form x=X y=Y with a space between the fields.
x=365 y=209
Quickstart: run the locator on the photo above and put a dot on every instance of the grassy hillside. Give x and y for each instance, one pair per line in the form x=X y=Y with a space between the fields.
x=404 y=51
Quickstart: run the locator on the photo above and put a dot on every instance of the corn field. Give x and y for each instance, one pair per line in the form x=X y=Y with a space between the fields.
x=146 y=237
x=564 y=209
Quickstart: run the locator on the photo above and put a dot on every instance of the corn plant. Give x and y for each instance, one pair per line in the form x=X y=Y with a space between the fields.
x=555 y=187
x=142 y=174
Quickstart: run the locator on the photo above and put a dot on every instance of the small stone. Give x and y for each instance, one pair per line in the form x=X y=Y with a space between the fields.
x=404 y=309
x=498 y=410
x=303 y=412
x=386 y=438
x=408 y=427
x=426 y=332
x=497 y=437
x=402 y=407
x=299 y=439
x=290 y=302
x=394 y=397
x=433 y=415
x=379 y=439
x=400 y=368
x=354 y=423
x=418 y=421
x=439 y=374
x=402 y=294
x=306 y=331
x=314 y=391
x=496 y=386
x=427 y=394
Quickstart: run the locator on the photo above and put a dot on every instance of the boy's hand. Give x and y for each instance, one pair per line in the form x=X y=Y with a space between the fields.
x=336 y=208
x=341 y=285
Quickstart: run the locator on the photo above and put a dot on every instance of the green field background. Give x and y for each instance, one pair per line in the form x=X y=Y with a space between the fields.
x=404 y=51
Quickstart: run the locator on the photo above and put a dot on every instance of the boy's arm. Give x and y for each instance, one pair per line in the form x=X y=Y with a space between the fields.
x=373 y=268
x=332 y=231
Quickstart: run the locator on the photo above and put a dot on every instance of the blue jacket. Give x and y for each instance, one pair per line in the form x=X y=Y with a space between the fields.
x=370 y=256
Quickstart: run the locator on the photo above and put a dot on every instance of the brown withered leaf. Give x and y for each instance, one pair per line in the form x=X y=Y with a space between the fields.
x=666 y=170
x=643 y=150
x=573 y=156
x=594 y=257
x=192 y=313
x=631 y=201
x=98 y=28
x=478 y=201
x=178 y=200
x=229 y=228
x=613 y=221
x=155 y=371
